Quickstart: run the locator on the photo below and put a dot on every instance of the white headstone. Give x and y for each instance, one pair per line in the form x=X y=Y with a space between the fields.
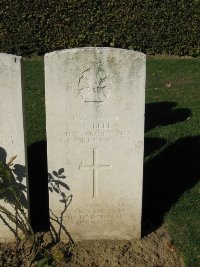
x=11 y=136
x=95 y=136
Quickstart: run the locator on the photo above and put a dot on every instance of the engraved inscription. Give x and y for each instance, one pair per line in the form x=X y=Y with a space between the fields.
x=97 y=125
x=97 y=129
x=95 y=136
x=93 y=83
x=95 y=166
x=83 y=117
x=98 y=216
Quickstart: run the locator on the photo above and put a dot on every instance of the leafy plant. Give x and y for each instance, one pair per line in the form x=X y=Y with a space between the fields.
x=56 y=185
x=10 y=193
x=170 y=27
x=30 y=245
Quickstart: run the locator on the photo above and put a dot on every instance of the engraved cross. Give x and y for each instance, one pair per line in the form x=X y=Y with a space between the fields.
x=95 y=166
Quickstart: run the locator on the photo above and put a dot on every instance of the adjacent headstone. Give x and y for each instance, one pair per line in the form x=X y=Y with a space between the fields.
x=95 y=137
x=11 y=137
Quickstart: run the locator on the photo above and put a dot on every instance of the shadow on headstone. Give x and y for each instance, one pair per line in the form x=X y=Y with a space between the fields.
x=167 y=177
x=57 y=184
x=15 y=181
x=12 y=189
x=38 y=186
x=3 y=154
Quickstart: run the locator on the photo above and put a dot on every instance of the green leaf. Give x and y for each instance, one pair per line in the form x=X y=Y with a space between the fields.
x=42 y=262
x=7 y=172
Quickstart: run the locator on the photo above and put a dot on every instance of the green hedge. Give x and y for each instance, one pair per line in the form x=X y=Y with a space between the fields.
x=151 y=26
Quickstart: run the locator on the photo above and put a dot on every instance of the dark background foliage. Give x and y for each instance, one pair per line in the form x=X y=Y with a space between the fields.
x=151 y=26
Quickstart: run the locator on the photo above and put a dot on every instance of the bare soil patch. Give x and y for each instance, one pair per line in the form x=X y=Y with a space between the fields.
x=154 y=250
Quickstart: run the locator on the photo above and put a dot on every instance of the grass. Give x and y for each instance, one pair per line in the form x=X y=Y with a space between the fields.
x=34 y=100
x=172 y=145
x=173 y=117
x=184 y=224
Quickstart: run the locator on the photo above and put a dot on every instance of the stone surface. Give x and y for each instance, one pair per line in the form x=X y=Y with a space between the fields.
x=95 y=137
x=11 y=133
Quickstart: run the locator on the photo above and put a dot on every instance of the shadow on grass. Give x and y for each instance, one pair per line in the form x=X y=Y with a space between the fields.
x=167 y=177
x=152 y=144
x=173 y=171
x=38 y=186
x=164 y=113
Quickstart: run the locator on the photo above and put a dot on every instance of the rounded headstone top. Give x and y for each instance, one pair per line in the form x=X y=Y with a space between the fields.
x=5 y=55
x=95 y=49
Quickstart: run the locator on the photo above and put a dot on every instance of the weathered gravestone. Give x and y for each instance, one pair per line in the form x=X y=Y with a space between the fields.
x=11 y=139
x=95 y=131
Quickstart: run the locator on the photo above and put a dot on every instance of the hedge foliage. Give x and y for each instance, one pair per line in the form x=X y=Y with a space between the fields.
x=151 y=26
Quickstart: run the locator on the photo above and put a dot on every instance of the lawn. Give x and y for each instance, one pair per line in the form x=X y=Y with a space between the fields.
x=172 y=146
x=172 y=152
